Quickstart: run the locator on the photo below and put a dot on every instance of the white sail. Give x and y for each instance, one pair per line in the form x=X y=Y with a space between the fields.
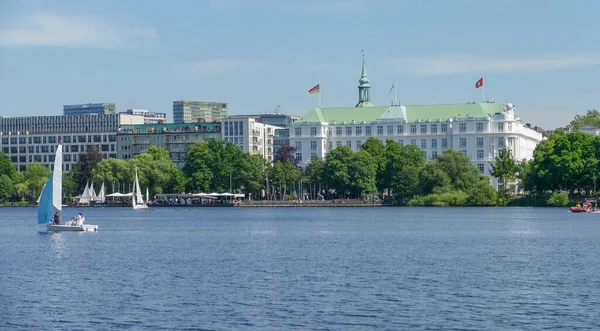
x=138 y=191
x=147 y=195
x=57 y=179
x=101 y=194
x=85 y=196
x=133 y=197
x=93 y=196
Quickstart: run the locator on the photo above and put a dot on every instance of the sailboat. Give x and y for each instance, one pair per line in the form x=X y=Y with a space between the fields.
x=50 y=207
x=101 y=194
x=137 y=201
x=86 y=197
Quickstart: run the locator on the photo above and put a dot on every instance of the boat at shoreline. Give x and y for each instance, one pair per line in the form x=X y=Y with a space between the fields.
x=50 y=206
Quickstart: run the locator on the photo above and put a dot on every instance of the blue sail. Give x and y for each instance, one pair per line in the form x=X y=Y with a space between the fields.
x=45 y=209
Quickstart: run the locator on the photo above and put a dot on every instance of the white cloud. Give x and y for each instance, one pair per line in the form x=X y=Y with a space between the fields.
x=451 y=64
x=217 y=65
x=71 y=31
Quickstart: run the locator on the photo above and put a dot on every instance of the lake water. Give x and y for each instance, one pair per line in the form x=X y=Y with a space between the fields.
x=303 y=268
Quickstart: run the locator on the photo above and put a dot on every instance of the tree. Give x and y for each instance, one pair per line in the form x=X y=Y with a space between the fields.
x=156 y=171
x=313 y=176
x=34 y=179
x=284 y=176
x=112 y=172
x=87 y=162
x=481 y=193
x=592 y=117
x=198 y=168
x=505 y=168
x=377 y=151
x=253 y=173
x=69 y=185
x=363 y=173
x=6 y=166
x=6 y=187
x=401 y=174
x=463 y=174
x=286 y=153
x=335 y=170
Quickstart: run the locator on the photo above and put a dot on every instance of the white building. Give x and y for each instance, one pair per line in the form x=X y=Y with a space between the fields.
x=149 y=117
x=250 y=135
x=480 y=130
x=34 y=138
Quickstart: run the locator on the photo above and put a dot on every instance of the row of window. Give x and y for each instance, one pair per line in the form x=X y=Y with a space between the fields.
x=235 y=140
x=462 y=143
x=64 y=139
x=399 y=129
x=50 y=149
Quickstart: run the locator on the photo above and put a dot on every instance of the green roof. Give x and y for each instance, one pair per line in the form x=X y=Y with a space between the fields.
x=410 y=113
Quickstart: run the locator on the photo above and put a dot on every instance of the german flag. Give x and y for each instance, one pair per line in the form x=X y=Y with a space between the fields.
x=315 y=89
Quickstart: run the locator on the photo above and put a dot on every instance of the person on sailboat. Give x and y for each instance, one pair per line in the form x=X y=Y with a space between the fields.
x=56 y=218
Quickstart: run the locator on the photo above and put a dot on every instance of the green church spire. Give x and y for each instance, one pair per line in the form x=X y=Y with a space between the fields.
x=364 y=87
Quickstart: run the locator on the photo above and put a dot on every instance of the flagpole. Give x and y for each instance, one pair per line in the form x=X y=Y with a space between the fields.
x=319 y=94
x=396 y=85
x=483 y=88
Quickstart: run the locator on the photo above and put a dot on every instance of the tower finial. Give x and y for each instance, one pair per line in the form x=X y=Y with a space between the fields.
x=364 y=87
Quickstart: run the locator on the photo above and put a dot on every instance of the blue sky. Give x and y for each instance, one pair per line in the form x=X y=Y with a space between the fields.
x=542 y=56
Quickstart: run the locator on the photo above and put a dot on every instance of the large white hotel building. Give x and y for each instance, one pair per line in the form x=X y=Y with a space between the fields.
x=480 y=130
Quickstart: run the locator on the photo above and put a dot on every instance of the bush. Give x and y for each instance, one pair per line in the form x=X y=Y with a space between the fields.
x=454 y=198
x=559 y=199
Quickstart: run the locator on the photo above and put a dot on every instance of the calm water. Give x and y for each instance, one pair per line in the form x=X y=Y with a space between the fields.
x=303 y=268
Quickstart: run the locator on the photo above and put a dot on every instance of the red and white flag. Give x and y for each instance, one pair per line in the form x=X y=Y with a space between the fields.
x=479 y=83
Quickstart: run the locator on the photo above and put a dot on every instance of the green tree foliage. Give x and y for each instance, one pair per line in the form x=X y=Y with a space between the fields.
x=558 y=199
x=29 y=184
x=198 y=168
x=87 y=162
x=6 y=166
x=452 y=180
x=69 y=185
x=313 y=176
x=156 y=171
x=564 y=162
x=377 y=150
x=363 y=172
x=506 y=169
x=592 y=117
x=6 y=187
x=335 y=170
x=284 y=178
x=401 y=175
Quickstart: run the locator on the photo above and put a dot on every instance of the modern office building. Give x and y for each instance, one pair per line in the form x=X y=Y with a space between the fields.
x=480 y=130
x=250 y=135
x=282 y=121
x=33 y=139
x=149 y=117
x=199 y=111
x=175 y=138
x=90 y=108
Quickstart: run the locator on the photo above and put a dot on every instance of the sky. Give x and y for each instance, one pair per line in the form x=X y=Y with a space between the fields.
x=541 y=55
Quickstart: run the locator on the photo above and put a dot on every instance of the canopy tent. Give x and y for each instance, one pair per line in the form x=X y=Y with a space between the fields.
x=119 y=195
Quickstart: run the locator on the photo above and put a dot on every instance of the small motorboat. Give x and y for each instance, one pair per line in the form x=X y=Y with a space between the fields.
x=578 y=210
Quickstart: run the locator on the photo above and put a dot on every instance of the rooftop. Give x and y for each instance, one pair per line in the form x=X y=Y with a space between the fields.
x=409 y=113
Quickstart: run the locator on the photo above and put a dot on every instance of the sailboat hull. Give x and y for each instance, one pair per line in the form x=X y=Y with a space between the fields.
x=80 y=228
x=140 y=207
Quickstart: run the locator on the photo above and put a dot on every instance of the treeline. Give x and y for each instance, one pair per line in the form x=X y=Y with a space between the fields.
x=565 y=164
x=401 y=171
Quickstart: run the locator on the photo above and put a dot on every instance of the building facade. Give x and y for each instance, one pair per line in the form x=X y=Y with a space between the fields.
x=480 y=130
x=26 y=140
x=250 y=135
x=149 y=117
x=175 y=138
x=90 y=108
x=199 y=111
